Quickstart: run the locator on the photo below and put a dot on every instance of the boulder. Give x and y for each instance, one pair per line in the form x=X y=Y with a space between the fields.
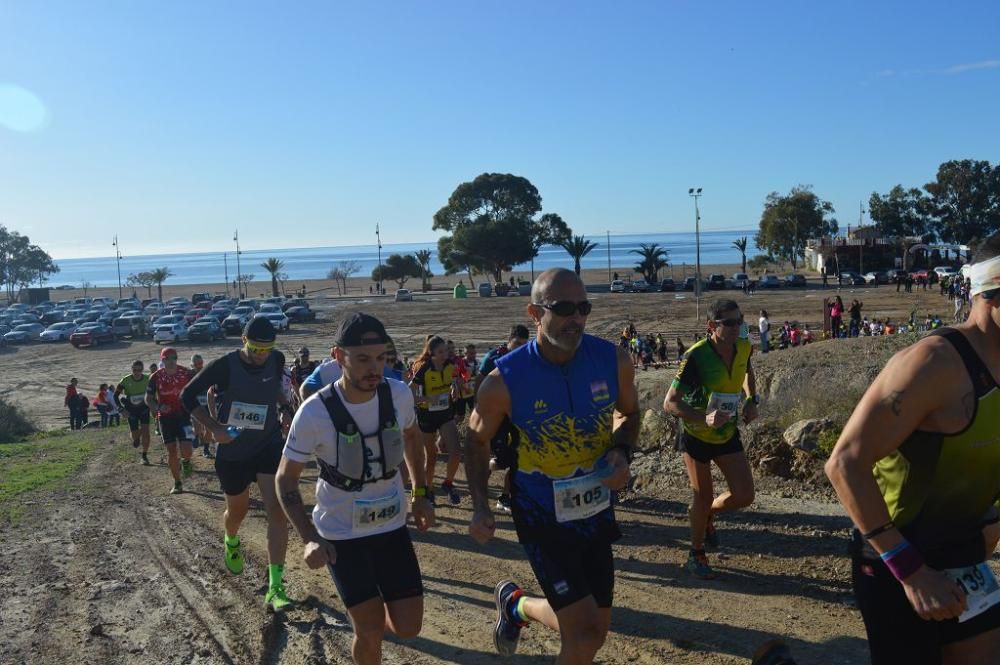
x=805 y=434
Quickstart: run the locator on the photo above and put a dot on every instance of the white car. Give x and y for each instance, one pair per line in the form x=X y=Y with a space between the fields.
x=26 y=332
x=58 y=332
x=403 y=295
x=277 y=319
x=269 y=308
x=617 y=286
x=171 y=333
x=945 y=271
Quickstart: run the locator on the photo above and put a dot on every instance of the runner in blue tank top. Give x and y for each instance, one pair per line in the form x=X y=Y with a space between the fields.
x=572 y=399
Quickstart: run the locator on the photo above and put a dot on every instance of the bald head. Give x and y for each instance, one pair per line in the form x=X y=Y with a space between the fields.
x=554 y=282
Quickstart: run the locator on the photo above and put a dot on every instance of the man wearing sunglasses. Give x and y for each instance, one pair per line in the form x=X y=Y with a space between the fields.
x=571 y=397
x=715 y=378
x=252 y=409
x=163 y=397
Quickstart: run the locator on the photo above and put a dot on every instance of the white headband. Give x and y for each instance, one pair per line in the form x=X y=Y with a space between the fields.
x=985 y=276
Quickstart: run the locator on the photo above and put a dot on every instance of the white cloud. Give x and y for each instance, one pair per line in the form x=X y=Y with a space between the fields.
x=972 y=66
x=21 y=110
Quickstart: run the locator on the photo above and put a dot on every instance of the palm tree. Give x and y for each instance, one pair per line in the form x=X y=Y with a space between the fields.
x=741 y=245
x=424 y=259
x=273 y=266
x=578 y=247
x=654 y=259
x=159 y=276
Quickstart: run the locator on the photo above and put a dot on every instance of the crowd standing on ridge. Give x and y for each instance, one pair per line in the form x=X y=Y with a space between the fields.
x=558 y=414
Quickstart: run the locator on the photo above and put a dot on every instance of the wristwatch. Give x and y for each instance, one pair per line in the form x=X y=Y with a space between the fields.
x=419 y=491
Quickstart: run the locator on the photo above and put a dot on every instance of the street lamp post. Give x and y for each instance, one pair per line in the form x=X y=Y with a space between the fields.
x=118 y=259
x=225 y=266
x=378 y=240
x=239 y=282
x=695 y=193
x=609 y=257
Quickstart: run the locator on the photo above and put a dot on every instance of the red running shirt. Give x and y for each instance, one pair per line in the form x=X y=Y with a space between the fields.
x=167 y=389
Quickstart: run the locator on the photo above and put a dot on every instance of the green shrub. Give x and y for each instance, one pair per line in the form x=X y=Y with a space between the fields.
x=827 y=440
x=14 y=425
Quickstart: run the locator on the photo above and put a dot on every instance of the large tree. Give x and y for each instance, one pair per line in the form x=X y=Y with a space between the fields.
x=492 y=223
x=901 y=213
x=21 y=262
x=549 y=229
x=143 y=279
x=455 y=260
x=654 y=259
x=578 y=247
x=964 y=201
x=273 y=266
x=789 y=221
x=398 y=268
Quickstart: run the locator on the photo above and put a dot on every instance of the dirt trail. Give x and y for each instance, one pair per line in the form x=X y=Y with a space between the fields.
x=111 y=569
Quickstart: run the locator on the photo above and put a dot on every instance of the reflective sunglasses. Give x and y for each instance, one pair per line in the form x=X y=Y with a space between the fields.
x=253 y=348
x=730 y=323
x=567 y=308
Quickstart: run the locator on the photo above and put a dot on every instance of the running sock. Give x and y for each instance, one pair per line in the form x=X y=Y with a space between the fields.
x=519 y=609
x=232 y=541
x=275 y=571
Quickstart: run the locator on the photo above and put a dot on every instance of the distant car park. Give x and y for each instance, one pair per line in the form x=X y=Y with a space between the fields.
x=403 y=295
x=667 y=284
x=876 y=277
x=769 y=282
x=640 y=286
x=617 y=286
x=795 y=280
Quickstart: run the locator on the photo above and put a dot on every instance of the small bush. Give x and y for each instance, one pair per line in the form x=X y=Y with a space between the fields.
x=14 y=425
x=827 y=440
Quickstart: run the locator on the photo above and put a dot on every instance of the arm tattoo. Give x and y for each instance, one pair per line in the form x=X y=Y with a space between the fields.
x=895 y=402
x=291 y=498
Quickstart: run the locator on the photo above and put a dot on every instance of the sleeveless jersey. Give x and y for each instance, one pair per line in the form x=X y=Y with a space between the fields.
x=707 y=384
x=563 y=418
x=939 y=487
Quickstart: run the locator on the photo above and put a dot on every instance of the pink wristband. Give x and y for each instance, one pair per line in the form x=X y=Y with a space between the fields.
x=904 y=562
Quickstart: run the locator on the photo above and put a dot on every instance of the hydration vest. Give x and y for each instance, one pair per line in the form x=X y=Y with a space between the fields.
x=353 y=467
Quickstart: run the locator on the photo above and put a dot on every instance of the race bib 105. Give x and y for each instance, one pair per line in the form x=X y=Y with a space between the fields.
x=580 y=498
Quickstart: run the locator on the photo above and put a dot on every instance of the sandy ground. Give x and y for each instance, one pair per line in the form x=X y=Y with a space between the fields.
x=110 y=568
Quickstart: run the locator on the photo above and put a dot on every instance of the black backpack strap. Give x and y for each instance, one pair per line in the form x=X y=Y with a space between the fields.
x=342 y=420
x=980 y=375
x=386 y=410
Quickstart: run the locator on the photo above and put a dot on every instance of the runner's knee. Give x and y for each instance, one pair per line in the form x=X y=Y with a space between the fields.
x=743 y=497
x=407 y=627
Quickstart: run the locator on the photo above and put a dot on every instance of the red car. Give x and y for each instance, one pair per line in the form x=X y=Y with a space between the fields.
x=194 y=315
x=92 y=334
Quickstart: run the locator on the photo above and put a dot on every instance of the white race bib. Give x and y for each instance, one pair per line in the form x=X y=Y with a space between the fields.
x=980 y=586
x=439 y=402
x=372 y=513
x=188 y=432
x=725 y=402
x=137 y=399
x=250 y=416
x=580 y=498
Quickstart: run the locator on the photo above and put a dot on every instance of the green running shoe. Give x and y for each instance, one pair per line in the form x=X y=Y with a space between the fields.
x=234 y=557
x=276 y=599
x=186 y=468
x=178 y=488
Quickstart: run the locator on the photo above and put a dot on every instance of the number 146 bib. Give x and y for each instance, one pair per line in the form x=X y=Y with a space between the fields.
x=580 y=498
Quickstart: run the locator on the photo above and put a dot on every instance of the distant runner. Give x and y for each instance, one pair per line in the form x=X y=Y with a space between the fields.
x=163 y=397
x=202 y=436
x=248 y=430
x=572 y=399
x=360 y=430
x=714 y=380
x=436 y=386
x=929 y=427
x=131 y=396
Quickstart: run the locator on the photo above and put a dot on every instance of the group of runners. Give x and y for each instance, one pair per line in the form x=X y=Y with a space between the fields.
x=559 y=413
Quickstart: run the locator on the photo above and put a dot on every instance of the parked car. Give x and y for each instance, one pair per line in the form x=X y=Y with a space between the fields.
x=168 y=320
x=795 y=280
x=58 y=332
x=740 y=279
x=201 y=297
x=876 y=277
x=277 y=319
x=295 y=302
x=945 y=271
x=249 y=302
x=266 y=307
x=193 y=315
x=852 y=278
x=174 y=333
x=233 y=324
x=300 y=314
x=403 y=295
x=207 y=329
x=617 y=286
x=769 y=282
x=640 y=286
x=130 y=325
x=25 y=332
x=716 y=281
x=92 y=334
x=667 y=284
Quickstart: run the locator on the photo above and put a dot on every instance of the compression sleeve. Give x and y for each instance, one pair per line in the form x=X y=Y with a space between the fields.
x=215 y=373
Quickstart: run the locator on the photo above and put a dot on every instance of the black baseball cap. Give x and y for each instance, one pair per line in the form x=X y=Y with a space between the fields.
x=259 y=329
x=360 y=329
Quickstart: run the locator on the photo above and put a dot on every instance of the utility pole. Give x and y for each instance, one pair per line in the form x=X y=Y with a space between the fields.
x=695 y=193
x=861 y=247
x=378 y=239
x=239 y=281
x=118 y=259
x=609 y=257
x=225 y=264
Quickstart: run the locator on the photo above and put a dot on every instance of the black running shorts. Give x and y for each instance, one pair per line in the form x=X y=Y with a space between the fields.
x=704 y=452
x=384 y=565
x=568 y=572
x=135 y=419
x=237 y=475
x=431 y=421
x=172 y=428
x=896 y=633
x=463 y=405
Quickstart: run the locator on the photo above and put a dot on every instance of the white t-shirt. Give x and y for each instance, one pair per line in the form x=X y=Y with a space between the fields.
x=764 y=325
x=380 y=506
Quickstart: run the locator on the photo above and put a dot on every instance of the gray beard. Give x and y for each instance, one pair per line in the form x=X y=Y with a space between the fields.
x=562 y=346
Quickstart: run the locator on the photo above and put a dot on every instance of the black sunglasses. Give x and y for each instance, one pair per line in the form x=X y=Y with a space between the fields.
x=566 y=308
x=730 y=323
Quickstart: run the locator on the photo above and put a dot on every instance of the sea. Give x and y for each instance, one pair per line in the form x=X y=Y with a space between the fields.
x=309 y=263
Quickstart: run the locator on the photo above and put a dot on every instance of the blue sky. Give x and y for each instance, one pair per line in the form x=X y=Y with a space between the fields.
x=304 y=124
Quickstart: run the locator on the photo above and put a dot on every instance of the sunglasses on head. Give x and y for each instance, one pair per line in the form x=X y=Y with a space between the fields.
x=567 y=308
x=730 y=323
